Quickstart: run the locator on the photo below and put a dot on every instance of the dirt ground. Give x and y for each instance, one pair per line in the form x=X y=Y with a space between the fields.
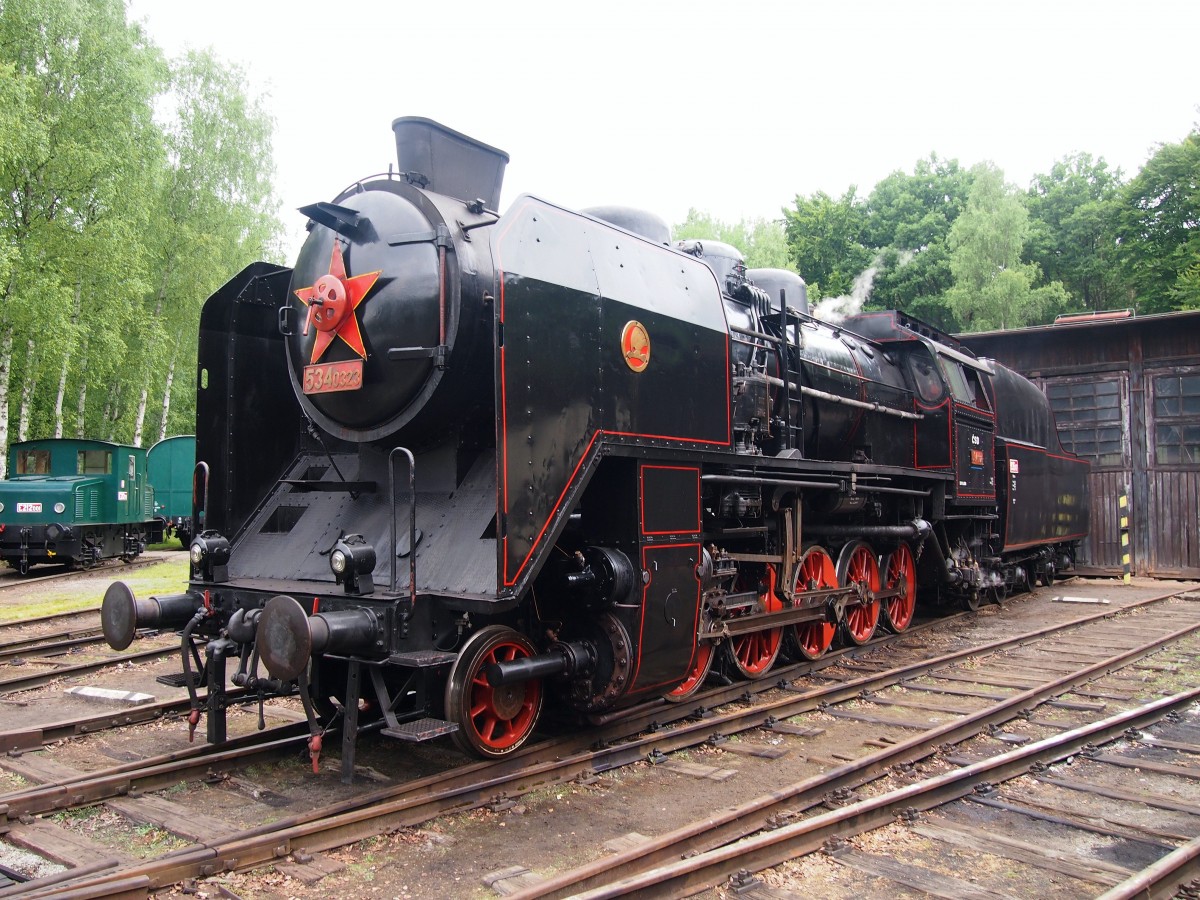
x=555 y=827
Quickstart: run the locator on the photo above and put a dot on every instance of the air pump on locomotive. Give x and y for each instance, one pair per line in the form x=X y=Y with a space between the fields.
x=455 y=465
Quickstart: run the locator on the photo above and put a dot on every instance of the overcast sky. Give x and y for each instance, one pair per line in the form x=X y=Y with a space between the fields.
x=732 y=108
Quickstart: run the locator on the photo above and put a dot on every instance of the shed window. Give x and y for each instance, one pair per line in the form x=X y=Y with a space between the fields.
x=1177 y=419
x=1090 y=420
x=94 y=462
x=33 y=462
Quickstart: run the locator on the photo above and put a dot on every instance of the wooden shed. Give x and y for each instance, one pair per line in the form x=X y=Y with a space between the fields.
x=1126 y=393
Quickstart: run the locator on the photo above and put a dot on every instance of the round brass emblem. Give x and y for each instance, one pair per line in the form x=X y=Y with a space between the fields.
x=635 y=346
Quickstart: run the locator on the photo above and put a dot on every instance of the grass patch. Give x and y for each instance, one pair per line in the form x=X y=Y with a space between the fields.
x=110 y=829
x=79 y=815
x=13 y=781
x=150 y=841
x=166 y=577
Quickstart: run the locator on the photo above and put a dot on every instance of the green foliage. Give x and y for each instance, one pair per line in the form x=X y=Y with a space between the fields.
x=1186 y=290
x=913 y=212
x=992 y=288
x=115 y=226
x=761 y=241
x=1079 y=239
x=1071 y=210
x=215 y=213
x=908 y=222
x=1158 y=228
x=825 y=237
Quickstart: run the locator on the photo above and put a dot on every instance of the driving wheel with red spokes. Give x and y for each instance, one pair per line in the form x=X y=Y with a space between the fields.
x=815 y=572
x=492 y=721
x=753 y=654
x=701 y=663
x=857 y=566
x=899 y=572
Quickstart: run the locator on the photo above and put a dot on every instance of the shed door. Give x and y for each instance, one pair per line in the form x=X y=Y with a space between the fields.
x=1092 y=414
x=1173 y=414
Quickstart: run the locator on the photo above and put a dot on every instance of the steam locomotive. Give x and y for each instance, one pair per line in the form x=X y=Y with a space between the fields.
x=455 y=466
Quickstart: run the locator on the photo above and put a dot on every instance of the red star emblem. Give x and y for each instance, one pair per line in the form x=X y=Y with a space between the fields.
x=331 y=302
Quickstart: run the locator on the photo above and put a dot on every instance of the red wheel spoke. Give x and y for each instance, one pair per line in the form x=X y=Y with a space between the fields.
x=493 y=721
x=702 y=661
x=815 y=572
x=900 y=572
x=487 y=727
x=754 y=653
x=858 y=568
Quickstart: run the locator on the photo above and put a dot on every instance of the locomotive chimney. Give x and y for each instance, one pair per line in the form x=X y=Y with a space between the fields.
x=448 y=162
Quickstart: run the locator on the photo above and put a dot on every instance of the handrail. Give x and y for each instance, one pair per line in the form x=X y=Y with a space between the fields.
x=412 y=519
x=199 y=515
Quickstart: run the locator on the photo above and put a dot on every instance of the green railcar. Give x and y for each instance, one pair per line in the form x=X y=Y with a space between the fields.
x=75 y=502
x=171 y=462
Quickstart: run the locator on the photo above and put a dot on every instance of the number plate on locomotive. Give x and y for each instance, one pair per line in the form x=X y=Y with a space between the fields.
x=329 y=377
x=29 y=507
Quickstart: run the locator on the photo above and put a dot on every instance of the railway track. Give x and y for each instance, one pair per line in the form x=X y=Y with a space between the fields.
x=654 y=869
x=35 y=737
x=31 y=738
x=12 y=581
x=11 y=684
x=53 y=644
x=979 y=782
x=626 y=740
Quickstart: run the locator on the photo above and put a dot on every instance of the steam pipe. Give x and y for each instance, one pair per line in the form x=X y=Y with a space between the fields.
x=917 y=529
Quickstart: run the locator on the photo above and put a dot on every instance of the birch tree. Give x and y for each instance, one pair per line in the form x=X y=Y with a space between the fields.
x=79 y=82
x=992 y=288
x=216 y=212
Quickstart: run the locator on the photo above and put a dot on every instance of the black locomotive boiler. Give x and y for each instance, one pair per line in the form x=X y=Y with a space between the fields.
x=455 y=466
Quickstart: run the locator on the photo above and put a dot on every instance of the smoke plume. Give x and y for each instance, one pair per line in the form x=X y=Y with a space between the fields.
x=836 y=310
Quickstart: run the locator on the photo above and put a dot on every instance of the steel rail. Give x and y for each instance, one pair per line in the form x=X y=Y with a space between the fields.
x=48 y=644
x=51 y=617
x=147 y=774
x=735 y=822
x=35 y=736
x=25 y=682
x=474 y=784
x=25 y=582
x=654 y=715
x=766 y=849
x=1160 y=879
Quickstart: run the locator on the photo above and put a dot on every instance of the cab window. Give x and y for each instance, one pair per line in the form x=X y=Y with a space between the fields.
x=926 y=380
x=964 y=383
x=33 y=462
x=94 y=462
